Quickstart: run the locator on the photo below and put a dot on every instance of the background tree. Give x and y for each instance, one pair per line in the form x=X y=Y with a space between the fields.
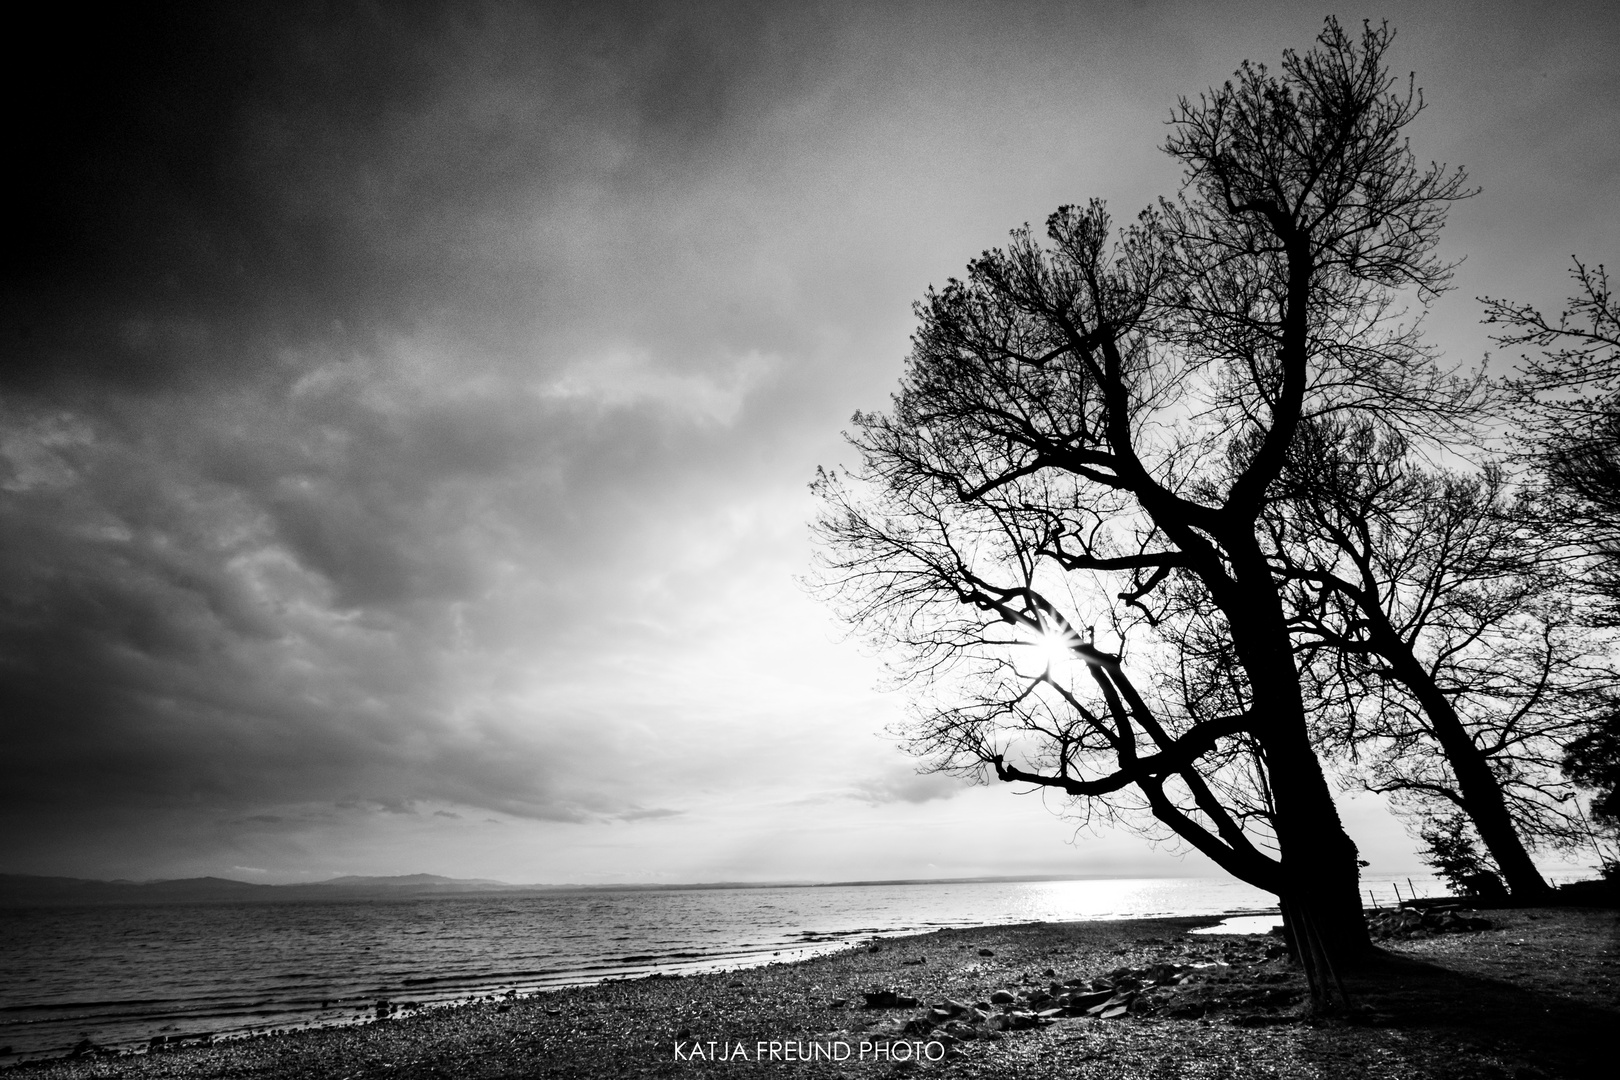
x=1569 y=398
x=1440 y=637
x=1068 y=419
x=1592 y=760
x=1448 y=847
x=1569 y=395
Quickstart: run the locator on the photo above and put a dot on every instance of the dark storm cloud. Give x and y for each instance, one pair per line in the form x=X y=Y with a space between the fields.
x=208 y=183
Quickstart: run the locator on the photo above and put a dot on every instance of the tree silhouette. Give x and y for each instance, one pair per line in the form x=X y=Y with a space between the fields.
x=1593 y=761
x=1441 y=636
x=1569 y=394
x=1090 y=431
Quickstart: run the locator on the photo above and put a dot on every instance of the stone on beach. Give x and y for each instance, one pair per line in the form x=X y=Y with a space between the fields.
x=879 y=998
x=1413 y=922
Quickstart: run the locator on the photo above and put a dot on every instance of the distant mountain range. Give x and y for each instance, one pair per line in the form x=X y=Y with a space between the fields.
x=402 y=881
x=27 y=890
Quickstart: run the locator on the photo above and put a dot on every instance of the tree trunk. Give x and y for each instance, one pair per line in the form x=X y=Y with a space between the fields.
x=1480 y=794
x=1321 y=875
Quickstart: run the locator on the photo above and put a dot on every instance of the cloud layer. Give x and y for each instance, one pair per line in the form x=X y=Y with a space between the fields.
x=406 y=412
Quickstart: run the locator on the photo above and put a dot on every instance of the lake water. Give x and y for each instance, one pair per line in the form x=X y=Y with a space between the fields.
x=121 y=976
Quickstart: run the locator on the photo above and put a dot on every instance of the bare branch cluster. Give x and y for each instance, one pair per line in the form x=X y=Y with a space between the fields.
x=1569 y=400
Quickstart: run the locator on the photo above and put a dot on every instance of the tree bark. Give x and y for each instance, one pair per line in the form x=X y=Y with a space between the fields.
x=1321 y=879
x=1320 y=873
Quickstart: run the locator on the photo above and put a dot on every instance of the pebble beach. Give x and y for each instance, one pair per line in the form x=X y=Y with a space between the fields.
x=1533 y=996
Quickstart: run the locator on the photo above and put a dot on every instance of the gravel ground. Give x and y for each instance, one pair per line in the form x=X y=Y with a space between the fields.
x=1534 y=997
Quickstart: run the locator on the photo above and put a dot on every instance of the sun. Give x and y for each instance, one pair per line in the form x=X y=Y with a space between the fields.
x=1056 y=646
x=1046 y=649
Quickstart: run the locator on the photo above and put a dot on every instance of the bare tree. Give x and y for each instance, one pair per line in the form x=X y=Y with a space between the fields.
x=1117 y=410
x=1569 y=395
x=1569 y=399
x=1441 y=637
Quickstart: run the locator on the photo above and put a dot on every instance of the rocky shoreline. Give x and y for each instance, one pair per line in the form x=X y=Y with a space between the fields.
x=1534 y=996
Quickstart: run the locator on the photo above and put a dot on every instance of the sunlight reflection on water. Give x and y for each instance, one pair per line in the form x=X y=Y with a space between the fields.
x=1243 y=924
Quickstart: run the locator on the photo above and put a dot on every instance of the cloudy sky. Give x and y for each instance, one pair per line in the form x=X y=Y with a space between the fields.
x=407 y=411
